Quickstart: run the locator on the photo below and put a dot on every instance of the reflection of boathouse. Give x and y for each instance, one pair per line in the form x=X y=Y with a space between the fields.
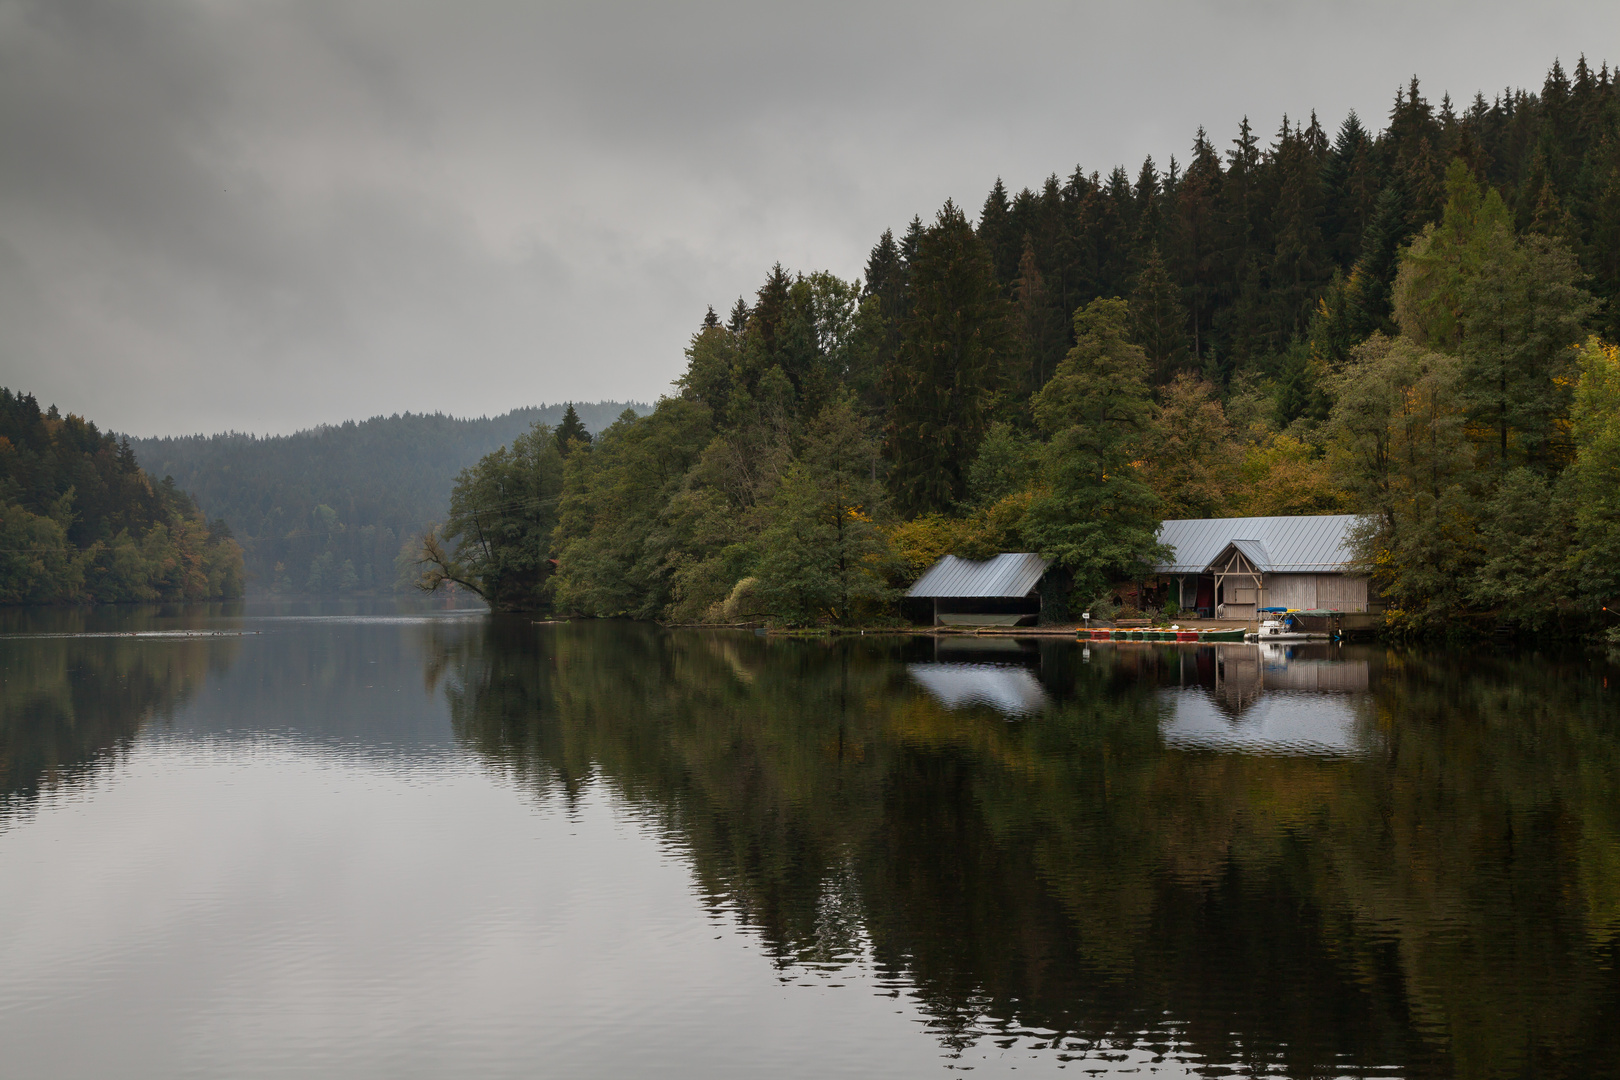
x=1273 y=698
x=1001 y=673
x=1232 y=567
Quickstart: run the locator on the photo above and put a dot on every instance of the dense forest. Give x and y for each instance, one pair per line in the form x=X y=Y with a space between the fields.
x=327 y=511
x=80 y=520
x=1409 y=323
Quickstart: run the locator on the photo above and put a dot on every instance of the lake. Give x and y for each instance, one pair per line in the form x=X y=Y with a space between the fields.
x=380 y=840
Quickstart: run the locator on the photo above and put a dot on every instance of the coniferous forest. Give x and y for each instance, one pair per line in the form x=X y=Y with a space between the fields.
x=81 y=521
x=1413 y=322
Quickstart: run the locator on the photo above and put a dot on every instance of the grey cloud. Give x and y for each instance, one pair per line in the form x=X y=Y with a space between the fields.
x=274 y=214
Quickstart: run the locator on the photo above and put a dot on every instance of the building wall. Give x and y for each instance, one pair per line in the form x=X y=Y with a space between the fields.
x=1340 y=592
x=1237 y=599
x=1337 y=592
x=1291 y=590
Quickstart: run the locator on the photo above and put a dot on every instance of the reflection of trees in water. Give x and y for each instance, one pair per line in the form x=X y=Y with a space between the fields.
x=1449 y=902
x=69 y=702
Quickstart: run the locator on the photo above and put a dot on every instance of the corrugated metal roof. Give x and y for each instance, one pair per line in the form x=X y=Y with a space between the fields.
x=1011 y=574
x=1302 y=545
x=1255 y=551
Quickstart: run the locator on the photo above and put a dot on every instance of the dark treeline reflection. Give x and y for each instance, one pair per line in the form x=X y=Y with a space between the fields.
x=68 y=703
x=79 y=684
x=1439 y=890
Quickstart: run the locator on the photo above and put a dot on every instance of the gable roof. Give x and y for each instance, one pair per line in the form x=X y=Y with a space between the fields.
x=1298 y=545
x=1254 y=551
x=1011 y=574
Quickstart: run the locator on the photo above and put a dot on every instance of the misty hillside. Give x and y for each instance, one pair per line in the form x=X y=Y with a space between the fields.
x=326 y=510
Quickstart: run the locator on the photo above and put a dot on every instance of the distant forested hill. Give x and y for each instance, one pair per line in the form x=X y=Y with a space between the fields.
x=80 y=521
x=326 y=511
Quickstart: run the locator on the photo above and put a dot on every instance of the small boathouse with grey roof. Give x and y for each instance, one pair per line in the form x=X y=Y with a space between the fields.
x=1233 y=567
x=1001 y=591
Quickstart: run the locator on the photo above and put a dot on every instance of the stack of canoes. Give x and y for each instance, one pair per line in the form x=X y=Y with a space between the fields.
x=1174 y=634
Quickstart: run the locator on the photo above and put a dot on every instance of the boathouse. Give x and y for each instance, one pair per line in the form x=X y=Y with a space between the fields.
x=1231 y=568
x=1000 y=591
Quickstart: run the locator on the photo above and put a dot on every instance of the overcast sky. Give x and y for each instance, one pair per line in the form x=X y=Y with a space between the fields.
x=268 y=215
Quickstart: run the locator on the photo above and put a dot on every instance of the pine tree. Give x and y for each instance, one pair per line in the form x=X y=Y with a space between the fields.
x=572 y=431
x=1159 y=321
x=1411 y=121
x=956 y=345
x=1244 y=249
x=911 y=241
x=770 y=314
x=885 y=300
x=996 y=233
x=886 y=276
x=1329 y=332
x=1042 y=336
x=1299 y=256
x=1148 y=195
x=1195 y=258
x=1424 y=186
x=1367 y=291
x=1111 y=236
x=1602 y=255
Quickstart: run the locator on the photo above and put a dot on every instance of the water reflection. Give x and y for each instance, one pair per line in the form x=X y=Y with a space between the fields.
x=1010 y=690
x=1392 y=882
x=1307 y=860
x=1272 y=699
x=77 y=685
x=996 y=673
x=68 y=704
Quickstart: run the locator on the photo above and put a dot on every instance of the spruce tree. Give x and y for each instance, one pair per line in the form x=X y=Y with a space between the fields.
x=1300 y=258
x=956 y=344
x=770 y=313
x=1159 y=321
x=1042 y=336
x=1424 y=183
x=996 y=232
x=572 y=430
x=1367 y=292
x=884 y=303
x=1602 y=254
x=1195 y=254
x=911 y=240
x=886 y=276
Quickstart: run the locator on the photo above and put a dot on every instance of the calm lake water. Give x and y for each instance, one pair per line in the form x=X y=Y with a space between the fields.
x=379 y=842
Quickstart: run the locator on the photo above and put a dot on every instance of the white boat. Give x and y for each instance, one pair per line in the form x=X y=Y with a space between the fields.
x=1282 y=630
